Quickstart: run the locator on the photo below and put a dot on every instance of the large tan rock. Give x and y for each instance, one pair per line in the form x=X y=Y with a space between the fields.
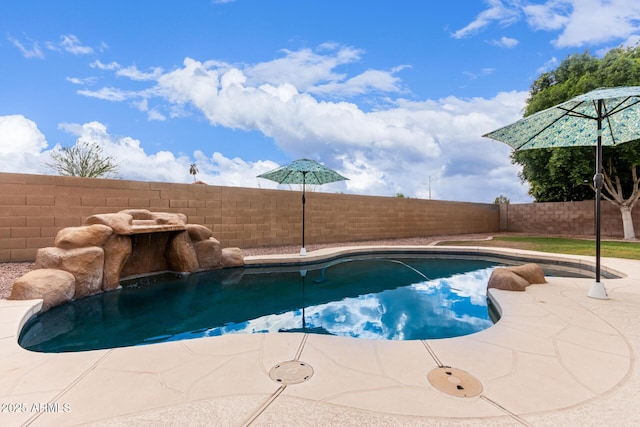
x=86 y=265
x=117 y=250
x=54 y=287
x=79 y=237
x=138 y=214
x=532 y=273
x=181 y=254
x=121 y=223
x=502 y=278
x=146 y=221
x=209 y=254
x=167 y=218
x=232 y=257
x=198 y=232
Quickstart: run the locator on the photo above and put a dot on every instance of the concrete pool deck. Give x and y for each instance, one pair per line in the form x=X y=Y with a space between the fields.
x=556 y=357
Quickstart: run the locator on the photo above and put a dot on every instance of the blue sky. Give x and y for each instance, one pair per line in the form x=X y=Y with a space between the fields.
x=393 y=95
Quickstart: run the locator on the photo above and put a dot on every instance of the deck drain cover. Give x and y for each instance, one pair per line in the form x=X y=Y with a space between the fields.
x=291 y=372
x=455 y=382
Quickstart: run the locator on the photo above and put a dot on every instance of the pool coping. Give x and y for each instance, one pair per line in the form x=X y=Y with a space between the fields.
x=555 y=357
x=585 y=264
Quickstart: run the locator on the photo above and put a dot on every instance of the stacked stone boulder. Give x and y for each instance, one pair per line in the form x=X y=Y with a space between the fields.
x=90 y=259
x=516 y=278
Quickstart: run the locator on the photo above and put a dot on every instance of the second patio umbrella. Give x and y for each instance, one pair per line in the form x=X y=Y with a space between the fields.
x=303 y=171
x=609 y=116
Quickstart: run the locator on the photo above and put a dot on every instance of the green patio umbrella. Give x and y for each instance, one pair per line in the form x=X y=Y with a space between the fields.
x=303 y=171
x=608 y=116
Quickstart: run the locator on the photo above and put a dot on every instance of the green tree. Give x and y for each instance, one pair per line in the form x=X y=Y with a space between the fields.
x=193 y=170
x=565 y=174
x=501 y=199
x=85 y=159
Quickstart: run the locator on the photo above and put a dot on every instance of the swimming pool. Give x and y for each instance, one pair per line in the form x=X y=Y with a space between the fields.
x=373 y=297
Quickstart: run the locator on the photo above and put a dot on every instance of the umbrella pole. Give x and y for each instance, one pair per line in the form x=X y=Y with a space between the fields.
x=597 y=289
x=303 y=273
x=303 y=251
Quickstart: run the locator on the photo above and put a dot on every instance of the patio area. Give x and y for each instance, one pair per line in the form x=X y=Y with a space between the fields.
x=556 y=357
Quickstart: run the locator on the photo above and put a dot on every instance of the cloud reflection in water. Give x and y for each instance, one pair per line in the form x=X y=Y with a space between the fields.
x=441 y=308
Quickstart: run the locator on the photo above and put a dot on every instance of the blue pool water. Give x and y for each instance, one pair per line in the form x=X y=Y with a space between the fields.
x=394 y=298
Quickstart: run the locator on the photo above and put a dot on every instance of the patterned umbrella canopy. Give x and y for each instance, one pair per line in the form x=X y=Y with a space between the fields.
x=616 y=113
x=303 y=171
x=565 y=126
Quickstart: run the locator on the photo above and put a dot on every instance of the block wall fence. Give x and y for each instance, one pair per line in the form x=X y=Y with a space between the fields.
x=33 y=208
x=565 y=218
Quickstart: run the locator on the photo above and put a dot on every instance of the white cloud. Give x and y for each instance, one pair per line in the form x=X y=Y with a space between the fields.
x=475 y=75
x=505 y=42
x=368 y=81
x=109 y=94
x=28 y=52
x=133 y=73
x=82 y=81
x=632 y=41
x=386 y=151
x=592 y=22
x=220 y=170
x=110 y=66
x=53 y=46
x=71 y=44
x=156 y=115
x=152 y=113
x=548 y=66
x=549 y=16
x=496 y=12
x=21 y=145
x=304 y=68
x=142 y=105
x=579 y=22
x=19 y=134
x=315 y=72
x=68 y=43
x=134 y=163
x=408 y=144
x=459 y=172
x=296 y=121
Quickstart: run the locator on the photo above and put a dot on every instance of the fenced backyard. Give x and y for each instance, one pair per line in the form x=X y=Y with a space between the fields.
x=33 y=208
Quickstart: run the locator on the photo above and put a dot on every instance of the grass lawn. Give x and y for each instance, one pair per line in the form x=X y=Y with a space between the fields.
x=613 y=249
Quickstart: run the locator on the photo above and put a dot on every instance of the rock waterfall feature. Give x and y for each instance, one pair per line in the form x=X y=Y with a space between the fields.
x=106 y=248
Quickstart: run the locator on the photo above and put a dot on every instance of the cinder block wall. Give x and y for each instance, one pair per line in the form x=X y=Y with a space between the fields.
x=565 y=218
x=33 y=208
